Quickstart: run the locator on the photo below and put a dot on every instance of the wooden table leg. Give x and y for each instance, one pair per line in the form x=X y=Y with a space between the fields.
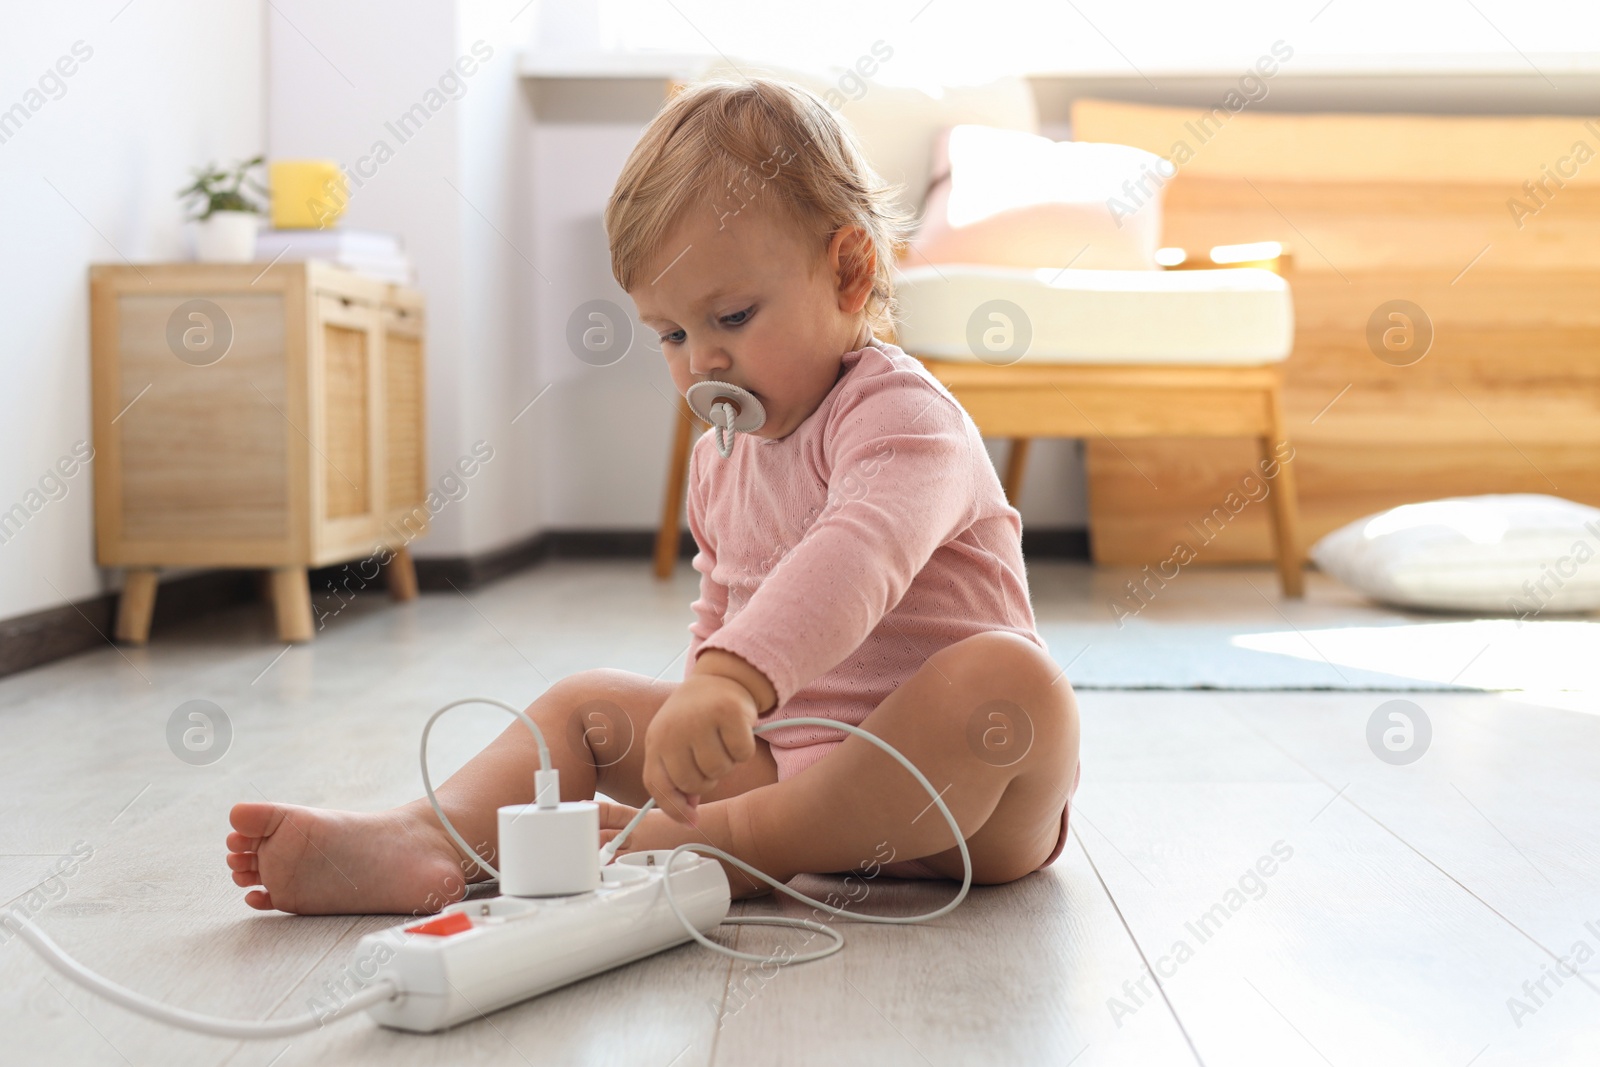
x=672 y=499
x=1016 y=463
x=1285 y=507
x=136 y=604
x=401 y=574
x=291 y=603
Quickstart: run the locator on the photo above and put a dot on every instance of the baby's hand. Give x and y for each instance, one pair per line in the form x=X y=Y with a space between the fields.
x=701 y=731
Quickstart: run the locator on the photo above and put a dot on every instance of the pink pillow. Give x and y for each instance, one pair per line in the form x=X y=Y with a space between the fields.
x=1013 y=199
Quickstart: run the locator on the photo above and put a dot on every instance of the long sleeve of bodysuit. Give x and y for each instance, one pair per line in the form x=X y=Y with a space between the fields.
x=712 y=603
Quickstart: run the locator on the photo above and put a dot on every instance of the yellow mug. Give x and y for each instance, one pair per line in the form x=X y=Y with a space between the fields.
x=307 y=194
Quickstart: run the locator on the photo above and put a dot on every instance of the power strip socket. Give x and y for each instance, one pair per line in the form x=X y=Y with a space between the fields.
x=479 y=956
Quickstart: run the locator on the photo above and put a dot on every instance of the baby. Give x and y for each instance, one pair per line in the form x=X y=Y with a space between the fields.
x=858 y=562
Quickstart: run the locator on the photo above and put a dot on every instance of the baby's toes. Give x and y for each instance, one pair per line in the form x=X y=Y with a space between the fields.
x=254 y=819
x=238 y=842
x=246 y=868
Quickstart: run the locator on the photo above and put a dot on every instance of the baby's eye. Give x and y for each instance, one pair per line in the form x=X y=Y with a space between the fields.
x=738 y=318
x=673 y=338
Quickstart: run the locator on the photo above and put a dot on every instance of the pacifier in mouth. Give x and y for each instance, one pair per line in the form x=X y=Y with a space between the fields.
x=728 y=408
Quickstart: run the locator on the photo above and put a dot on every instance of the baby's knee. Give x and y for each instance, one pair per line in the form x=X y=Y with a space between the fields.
x=1012 y=690
x=602 y=713
x=599 y=686
x=1001 y=663
x=588 y=707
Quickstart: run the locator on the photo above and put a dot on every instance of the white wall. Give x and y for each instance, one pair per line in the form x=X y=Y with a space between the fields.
x=498 y=288
x=90 y=176
x=338 y=76
x=461 y=194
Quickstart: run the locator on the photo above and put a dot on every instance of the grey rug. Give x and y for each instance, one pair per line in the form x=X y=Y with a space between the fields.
x=1478 y=654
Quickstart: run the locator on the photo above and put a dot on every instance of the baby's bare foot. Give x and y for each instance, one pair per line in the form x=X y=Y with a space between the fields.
x=712 y=827
x=314 y=861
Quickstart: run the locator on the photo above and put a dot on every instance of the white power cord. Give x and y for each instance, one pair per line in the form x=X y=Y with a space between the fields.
x=214 y=1025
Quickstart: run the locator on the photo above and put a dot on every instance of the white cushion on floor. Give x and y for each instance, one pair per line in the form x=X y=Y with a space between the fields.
x=1519 y=554
x=1234 y=317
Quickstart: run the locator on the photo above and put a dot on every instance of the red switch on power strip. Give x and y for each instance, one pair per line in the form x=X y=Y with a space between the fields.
x=454 y=923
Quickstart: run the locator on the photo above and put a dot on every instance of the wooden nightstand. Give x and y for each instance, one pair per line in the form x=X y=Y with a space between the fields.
x=258 y=417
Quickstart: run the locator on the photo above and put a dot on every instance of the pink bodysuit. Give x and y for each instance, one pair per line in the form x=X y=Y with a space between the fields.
x=837 y=559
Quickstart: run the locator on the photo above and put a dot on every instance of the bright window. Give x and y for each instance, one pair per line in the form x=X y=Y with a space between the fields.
x=966 y=40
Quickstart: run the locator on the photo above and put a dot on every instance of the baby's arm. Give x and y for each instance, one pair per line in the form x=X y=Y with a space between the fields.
x=712 y=603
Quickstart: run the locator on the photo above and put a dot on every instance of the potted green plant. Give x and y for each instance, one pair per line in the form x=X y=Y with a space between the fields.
x=228 y=219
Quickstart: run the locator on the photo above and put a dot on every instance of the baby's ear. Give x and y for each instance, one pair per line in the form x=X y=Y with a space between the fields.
x=853 y=261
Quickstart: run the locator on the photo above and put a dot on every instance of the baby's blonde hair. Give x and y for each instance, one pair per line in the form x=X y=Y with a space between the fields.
x=730 y=144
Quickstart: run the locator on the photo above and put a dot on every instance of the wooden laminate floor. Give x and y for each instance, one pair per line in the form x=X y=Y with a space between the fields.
x=1443 y=912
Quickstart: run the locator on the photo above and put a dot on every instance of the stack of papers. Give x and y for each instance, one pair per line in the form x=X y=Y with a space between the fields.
x=380 y=255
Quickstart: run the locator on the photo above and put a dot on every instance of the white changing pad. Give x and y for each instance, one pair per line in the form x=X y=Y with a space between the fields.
x=1234 y=317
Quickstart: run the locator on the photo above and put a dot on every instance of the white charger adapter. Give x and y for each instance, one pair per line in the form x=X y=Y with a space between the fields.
x=548 y=848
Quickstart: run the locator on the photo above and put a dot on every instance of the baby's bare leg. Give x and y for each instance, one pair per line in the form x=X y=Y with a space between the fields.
x=990 y=721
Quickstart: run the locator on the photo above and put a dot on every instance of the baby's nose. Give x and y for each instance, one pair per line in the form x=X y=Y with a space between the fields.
x=703 y=359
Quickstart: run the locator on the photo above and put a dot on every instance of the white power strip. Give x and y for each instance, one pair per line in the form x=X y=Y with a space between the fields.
x=479 y=956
